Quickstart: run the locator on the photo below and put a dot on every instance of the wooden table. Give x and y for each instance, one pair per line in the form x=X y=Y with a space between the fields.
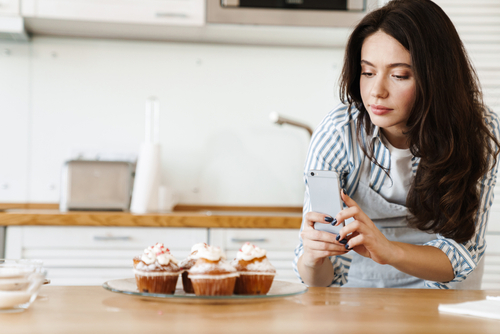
x=321 y=310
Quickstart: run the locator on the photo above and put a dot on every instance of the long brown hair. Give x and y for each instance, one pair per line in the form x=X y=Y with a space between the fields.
x=445 y=127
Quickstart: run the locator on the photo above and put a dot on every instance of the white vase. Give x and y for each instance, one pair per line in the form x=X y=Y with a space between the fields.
x=147 y=180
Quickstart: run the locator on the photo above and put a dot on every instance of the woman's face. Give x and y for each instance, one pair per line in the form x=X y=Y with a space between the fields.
x=387 y=85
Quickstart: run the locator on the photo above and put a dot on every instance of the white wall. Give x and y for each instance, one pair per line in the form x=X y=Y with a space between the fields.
x=14 y=121
x=60 y=96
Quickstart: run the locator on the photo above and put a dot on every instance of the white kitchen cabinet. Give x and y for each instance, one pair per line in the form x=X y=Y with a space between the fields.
x=491 y=276
x=9 y=7
x=93 y=255
x=157 y=12
x=279 y=244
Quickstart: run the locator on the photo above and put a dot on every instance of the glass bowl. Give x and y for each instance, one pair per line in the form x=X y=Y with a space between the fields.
x=20 y=282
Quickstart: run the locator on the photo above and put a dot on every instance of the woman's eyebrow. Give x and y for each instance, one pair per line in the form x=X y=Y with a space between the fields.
x=366 y=62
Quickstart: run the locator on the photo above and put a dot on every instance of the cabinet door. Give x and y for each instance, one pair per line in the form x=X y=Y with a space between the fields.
x=9 y=7
x=164 y=12
x=279 y=244
x=491 y=276
x=93 y=255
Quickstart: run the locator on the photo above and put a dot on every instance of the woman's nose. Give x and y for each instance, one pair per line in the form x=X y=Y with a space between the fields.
x=379 y=88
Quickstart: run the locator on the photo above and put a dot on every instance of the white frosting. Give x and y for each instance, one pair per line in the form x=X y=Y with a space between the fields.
x=195 y=250
x=249 y=252
x=211 y=253
x=213 y=276
x=208 y=267
x=158 y=253
x=263 y=265
x=149 y=255
x=155 y=273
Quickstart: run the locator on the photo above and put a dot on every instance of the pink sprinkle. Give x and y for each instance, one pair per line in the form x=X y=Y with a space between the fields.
x=160 y=312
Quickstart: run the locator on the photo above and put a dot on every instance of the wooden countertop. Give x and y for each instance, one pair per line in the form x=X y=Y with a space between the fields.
x=181 y=216
x=320 y=310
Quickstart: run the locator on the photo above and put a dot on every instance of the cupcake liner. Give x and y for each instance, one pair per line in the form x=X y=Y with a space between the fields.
x=256 y=273
x=214 y=286
x=146 y=282
x=187 y=285
x=257 y=283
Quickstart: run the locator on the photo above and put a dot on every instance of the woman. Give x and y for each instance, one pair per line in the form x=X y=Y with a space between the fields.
x=416 y=152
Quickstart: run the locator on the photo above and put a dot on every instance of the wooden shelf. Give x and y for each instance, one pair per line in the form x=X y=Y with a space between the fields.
x=190 y=216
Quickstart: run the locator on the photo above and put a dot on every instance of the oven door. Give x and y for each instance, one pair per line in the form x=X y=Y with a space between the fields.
x=295 y=4
x=312 y=13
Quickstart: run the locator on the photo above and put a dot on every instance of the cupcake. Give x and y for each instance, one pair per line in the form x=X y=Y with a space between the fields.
x=211 y=275
x=256 y=272
x=156 y=271
x=188 y=263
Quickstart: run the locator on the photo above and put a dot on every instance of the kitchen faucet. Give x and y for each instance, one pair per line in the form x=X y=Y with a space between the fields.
x=276 y=118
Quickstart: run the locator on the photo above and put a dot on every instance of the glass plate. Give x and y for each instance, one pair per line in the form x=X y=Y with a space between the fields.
x=279 y=289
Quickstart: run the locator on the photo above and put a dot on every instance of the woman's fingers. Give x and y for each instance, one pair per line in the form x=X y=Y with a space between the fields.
x=324 y=246
x=351 y=230
x=319 y=244
x=347 y=200
x=315 y=217
x=318 y=250
x=321 y=236
x=356 y=242
x=353 y=210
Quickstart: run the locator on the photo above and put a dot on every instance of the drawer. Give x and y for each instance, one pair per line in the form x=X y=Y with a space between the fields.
x=272 y=255
x=287 y=275
x=490 y=285
x=136 y=238
x=86 y=276
x=93 y=255
x=491 y=276
x=279 y=244
x=90 y=258
x=492 y=243
x=494 y=219
x=268 y=239
x=492 y=265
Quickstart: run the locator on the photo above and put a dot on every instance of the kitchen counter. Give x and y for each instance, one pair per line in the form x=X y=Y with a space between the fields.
x=181 y=216
x=320 y=310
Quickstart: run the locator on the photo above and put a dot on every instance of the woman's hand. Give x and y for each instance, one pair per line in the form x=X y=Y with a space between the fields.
x=318 y=245
x=363 y=236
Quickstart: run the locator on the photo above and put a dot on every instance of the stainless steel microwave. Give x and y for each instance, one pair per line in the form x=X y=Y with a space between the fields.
x=313 y=13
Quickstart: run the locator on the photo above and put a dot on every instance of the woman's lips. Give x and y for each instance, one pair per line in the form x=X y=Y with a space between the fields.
x=379 y=110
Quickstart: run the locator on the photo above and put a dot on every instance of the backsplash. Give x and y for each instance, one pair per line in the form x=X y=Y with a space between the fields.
x=62 y=97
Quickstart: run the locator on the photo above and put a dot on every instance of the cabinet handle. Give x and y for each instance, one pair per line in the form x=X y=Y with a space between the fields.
x=171 y=14
x=248 y=240
x=111 y=238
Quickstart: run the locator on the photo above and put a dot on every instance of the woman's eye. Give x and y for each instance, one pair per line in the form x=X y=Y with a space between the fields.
x=401 y=77
x=367 y=74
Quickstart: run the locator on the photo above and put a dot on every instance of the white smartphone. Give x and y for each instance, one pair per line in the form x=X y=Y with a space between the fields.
x=324 y=193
